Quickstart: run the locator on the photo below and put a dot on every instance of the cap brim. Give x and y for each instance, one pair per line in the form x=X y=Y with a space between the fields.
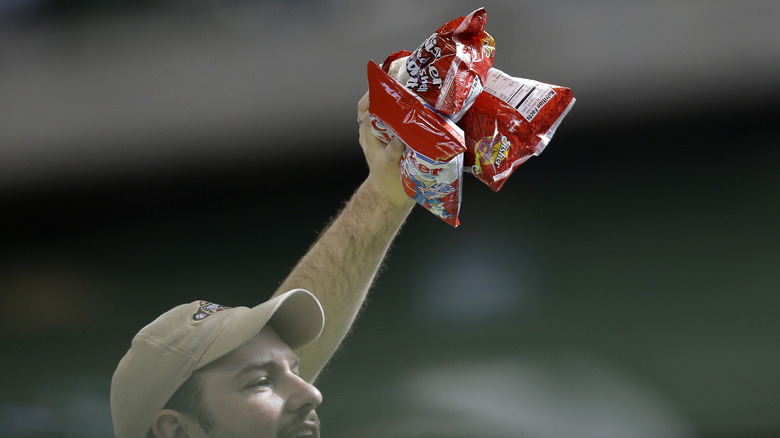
x=296 y=316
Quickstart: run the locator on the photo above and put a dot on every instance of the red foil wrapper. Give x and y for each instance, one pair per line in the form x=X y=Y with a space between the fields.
x=512 y=120
x=432 y=165
x=501 y=120
x=448 y=69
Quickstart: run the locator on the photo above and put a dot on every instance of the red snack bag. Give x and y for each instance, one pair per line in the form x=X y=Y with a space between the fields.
x=434 y=184
x=432 y=165
x=401 y=54
x=449 y=68
x=512 y=120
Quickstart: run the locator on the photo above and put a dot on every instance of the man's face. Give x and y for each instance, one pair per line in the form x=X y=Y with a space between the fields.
x=255 y=391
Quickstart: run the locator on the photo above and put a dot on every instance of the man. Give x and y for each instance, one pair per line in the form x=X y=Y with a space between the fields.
x=205 y=370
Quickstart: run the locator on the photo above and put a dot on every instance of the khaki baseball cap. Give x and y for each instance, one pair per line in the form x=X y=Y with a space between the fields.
x=164 y=354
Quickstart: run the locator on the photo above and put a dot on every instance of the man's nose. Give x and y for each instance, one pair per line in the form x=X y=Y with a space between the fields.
x=303 y=395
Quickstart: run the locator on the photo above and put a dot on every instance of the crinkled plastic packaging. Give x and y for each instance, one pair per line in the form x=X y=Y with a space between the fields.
x=445 y=73
x=501 y=121
x=448 y=69
x=431 y=168
x=512 y=120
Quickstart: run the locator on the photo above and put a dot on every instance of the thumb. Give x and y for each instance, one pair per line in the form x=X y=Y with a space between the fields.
x=395 y=149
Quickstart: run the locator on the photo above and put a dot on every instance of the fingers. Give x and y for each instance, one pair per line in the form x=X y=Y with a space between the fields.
x=383 y=159
x=362 y=106
x=395 y=149
x=363 y=119
x=369 y=141
x=371 y=144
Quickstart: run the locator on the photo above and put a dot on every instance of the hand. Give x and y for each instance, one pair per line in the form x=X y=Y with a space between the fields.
x=384 y=161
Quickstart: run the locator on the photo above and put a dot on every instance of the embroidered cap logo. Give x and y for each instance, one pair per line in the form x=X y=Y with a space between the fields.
x=207 y=308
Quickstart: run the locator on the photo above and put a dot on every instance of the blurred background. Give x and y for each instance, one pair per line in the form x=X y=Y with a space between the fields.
x=622 y=284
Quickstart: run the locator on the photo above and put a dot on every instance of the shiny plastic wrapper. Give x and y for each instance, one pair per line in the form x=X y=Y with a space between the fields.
x=448 y=69
x=512 y=120
x=432 y=165
x=457 y=114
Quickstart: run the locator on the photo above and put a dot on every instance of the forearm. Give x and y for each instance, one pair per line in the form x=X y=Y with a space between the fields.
x=342 y=264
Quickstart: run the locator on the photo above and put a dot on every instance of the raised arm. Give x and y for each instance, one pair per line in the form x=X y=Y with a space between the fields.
x=341 y=265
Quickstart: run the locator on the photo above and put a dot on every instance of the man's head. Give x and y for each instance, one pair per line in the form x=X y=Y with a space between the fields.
x=221 y=347
x=253 y=391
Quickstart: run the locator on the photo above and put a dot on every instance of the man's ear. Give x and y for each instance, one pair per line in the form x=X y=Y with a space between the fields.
x=170 y=424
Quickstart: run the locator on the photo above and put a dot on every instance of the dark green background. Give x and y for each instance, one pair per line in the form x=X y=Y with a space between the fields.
x=622 y=284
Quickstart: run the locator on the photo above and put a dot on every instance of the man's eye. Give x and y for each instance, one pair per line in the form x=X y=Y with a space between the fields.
x=262 y=382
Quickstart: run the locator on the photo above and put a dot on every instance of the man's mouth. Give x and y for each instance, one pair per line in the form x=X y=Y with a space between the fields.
x=308 y=429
